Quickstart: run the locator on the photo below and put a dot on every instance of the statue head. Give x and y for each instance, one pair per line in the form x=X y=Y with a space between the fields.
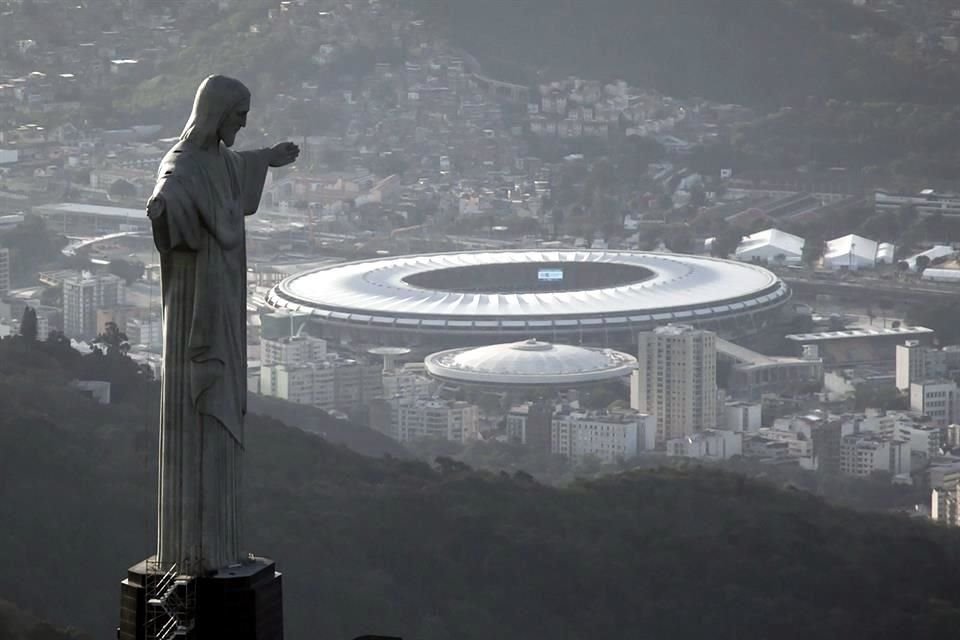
x=219 y=111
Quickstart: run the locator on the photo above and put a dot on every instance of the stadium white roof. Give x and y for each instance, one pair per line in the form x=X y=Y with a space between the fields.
x=677 y=288
x=771 y=240
x=529 y=362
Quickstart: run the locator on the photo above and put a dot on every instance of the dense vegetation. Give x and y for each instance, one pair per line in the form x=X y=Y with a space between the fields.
x=32 y=246
x=435 y=553
x=760 y=52
x=859 y=493
x=890 y=143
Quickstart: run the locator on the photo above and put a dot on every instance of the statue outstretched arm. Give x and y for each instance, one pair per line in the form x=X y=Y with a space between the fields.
x=252 y=170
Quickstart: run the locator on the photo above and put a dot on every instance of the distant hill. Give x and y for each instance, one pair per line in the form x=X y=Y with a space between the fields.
x=757 y=52
x=18 y=625
x=394 y=546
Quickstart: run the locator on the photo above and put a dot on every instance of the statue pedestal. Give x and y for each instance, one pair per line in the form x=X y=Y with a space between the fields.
x=242 y=602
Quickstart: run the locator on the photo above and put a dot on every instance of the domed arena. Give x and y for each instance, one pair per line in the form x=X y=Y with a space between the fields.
x=591 y=297
x=530 y=363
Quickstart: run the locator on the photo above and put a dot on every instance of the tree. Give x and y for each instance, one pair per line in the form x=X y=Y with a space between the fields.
x=698 y=197
x=726 y=243
x=113 y=339
x=31 y=246
x=906 y=216
x=52 y=296
x=813 y=250
x=129 y=271
x=389 y=163
x=28 y=325
x=942 y=318
x=121 y=189
x=678 y=238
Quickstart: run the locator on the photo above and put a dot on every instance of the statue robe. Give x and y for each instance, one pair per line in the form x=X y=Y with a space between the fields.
x=201 y=239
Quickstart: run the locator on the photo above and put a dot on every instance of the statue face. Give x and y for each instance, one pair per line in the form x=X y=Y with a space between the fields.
x=235 y=120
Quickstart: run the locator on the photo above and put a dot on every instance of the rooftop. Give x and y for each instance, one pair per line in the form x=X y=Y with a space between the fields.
x=788 y=243
x=866 y=332
x=68 y=208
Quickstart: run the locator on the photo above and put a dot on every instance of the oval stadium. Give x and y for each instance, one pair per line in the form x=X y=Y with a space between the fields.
x=592 y=297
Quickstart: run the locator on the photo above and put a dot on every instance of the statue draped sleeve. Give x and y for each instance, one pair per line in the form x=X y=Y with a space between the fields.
x=201 y=240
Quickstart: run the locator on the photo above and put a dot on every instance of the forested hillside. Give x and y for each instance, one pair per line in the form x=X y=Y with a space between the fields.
x=759 y=52
x=394 y=546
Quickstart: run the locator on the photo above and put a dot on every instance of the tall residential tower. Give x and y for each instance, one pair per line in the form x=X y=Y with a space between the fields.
x=676 y=380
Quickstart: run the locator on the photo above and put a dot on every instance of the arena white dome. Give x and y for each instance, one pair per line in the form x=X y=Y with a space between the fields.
x=483 y=297
x=530 y=362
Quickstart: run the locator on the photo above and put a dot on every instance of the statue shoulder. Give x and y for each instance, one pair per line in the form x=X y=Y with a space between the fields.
x=180 y=165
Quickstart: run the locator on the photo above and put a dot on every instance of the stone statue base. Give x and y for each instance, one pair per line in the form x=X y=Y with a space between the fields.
x=243 y=602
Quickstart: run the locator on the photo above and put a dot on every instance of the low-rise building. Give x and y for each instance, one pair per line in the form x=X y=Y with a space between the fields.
x=743 y=416
x=330 y=384
x=80 y=218
x=609 y=436
x=798 y=445
x=452 y=420
x=771 y=245
x=754 y=373
x=409 y=381
x=531 y=424
x=292 y=351
x=863 y=454
x=855 y=252
x=936 y=399
x=927 y=202
x=145 y=331
x=712 y=444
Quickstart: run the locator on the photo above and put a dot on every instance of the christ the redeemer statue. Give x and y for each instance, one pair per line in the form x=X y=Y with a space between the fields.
x=204 y=189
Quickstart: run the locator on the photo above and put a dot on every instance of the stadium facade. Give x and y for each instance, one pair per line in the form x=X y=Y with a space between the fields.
x=597 y=298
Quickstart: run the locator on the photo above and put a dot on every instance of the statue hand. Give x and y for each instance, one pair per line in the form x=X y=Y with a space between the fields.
x=283 y=154
x=154 y=207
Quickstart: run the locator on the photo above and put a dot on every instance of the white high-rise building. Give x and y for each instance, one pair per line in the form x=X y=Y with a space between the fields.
x=4 y=272
x=416 y=418
x=676 y=380
x=607 y=436
x=916 y=362
x=83 y=295
x=937 y=399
